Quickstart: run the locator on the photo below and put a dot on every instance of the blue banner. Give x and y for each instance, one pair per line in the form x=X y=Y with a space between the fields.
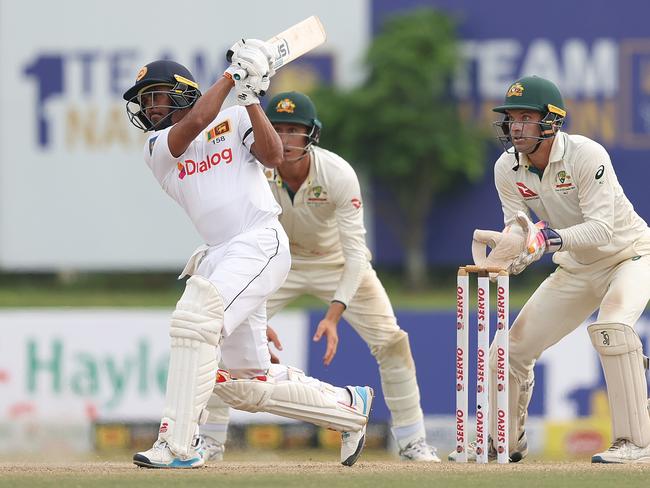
x=602 y=67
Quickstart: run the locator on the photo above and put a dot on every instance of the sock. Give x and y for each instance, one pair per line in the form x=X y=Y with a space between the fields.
x=406 y=434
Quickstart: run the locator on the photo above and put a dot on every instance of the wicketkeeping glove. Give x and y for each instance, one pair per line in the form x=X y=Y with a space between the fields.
x=539 y=238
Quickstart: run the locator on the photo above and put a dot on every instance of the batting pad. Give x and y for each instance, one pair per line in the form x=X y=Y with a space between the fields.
x=621 y=356
x=298 y=397
x=195 y=332
x=398 y=381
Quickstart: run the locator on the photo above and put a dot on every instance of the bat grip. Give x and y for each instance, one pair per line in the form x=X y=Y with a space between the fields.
x=240 y=74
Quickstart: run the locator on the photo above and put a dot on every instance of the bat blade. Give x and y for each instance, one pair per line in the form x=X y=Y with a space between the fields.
x=292 y=43
x=297 y=40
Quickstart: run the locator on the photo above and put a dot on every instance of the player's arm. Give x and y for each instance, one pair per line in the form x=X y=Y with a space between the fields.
x=352 y=234
x=267 y=147
x=253 y=59
x=204 y=111
x=346 y=195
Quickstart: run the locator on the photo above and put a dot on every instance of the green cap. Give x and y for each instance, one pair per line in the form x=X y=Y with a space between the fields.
x=533 y=93
x=293 y=108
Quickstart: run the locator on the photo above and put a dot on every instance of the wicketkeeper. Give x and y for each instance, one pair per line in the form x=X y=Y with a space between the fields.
x=601 y=247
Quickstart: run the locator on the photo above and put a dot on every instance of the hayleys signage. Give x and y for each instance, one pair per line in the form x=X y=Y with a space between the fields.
x=97 y=364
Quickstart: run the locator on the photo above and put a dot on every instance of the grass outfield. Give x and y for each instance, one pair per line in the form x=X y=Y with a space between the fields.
x=163 y=290
x=287 y=474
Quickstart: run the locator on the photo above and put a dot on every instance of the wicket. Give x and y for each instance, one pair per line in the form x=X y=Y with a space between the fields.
x=482 y=363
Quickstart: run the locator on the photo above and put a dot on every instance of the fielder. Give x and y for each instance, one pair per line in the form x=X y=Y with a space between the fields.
x=323 y=216
x=208 y=161
x=601 y=247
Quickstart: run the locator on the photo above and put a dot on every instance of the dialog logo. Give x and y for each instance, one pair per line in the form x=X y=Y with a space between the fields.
x=190 y=167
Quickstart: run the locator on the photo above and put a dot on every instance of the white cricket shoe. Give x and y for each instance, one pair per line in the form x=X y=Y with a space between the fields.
x=211 y=449
x=352 y=442
x=515 y=456
x=419 y=451
x=161 y=456
x=623 y=451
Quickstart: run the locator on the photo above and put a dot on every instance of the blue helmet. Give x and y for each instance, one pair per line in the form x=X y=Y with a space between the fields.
x=174 y=79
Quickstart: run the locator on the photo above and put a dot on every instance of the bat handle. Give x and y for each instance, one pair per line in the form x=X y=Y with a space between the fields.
x=240 y=74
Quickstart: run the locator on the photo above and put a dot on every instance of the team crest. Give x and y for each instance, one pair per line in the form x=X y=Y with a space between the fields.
x=218 y=130
x=317 y=196
x=563 y=181
x=141 y=73
x=515 y=90
x=285 y=105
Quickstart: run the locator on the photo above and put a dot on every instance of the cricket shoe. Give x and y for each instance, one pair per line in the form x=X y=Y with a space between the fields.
x=352 y=442
x=211 y=449
x=623 y=451
x=419 y=451
x=161 y=456
x=515 y=456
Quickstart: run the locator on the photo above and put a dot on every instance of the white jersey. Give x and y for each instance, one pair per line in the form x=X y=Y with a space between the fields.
x=579 y=196
x=217 y=181
x=325 y=220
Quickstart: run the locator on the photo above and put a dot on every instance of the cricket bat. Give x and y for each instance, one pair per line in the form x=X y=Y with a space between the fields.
x=292 y=43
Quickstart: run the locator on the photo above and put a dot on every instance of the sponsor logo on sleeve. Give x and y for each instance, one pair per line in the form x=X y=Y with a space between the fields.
x=152 y=143
x=356 y=203
x=600 y=172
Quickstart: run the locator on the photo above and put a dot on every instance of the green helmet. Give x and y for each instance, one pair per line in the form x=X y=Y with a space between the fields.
x=295 y=108
x=533 y=93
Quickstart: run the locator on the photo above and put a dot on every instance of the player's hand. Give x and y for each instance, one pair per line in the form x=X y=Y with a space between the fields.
x=505 y=247
x=272 y=338
x=327 y=328
x=539 y=239
x=249 y=90
x=253 y=57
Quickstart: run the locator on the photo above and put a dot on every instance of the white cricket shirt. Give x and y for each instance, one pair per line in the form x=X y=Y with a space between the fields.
x=325 y=220
x=579 y=196
x=217 y=181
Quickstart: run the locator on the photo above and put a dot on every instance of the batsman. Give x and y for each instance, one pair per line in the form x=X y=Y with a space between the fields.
x=602 y=250
x=322 y=213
